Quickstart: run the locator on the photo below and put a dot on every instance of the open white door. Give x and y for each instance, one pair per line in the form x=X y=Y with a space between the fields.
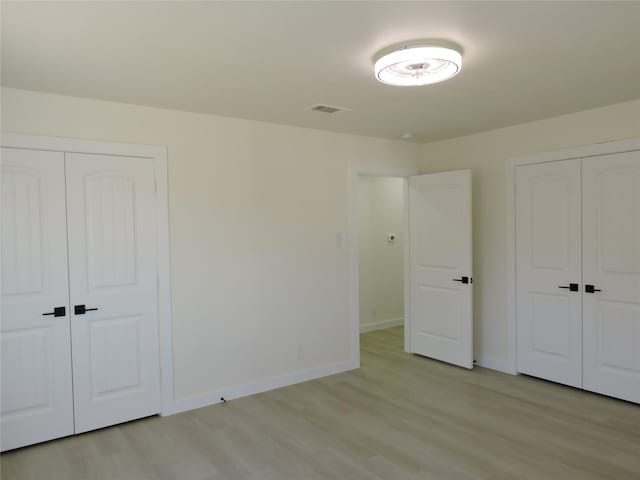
x=440 y=265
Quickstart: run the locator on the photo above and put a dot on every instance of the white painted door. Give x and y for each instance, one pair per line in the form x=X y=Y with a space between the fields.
x=37 y=402
x=112 y=273
x=440 y=261
x=611 y=249
x=549 y=264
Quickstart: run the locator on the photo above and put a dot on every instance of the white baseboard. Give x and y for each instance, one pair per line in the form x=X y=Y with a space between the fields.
x=370 y=327
x=494 y=364
x=210 y=398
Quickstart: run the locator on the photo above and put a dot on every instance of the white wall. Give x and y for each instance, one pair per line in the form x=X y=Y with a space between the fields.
x=380 y=212
x=486 y=154
x=259 y=279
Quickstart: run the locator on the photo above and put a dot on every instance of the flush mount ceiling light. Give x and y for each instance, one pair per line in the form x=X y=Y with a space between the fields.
x=418 y=65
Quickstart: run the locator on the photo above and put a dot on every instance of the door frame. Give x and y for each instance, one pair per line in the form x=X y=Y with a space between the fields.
x=354 y=173
x=598 y=149
x=159 y=156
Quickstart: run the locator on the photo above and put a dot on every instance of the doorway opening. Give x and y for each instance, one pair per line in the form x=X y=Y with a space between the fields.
x=381 y=205
x=436 y=279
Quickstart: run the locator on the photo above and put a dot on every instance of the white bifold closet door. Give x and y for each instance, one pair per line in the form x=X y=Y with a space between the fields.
x=112 y=274
x=79 y=294
x=611 y=247
x=37 y=402
x=578 y=272
x=549 y=303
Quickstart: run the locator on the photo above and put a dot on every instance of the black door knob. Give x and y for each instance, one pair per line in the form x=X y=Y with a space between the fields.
x=463 y=280
x=57 y=312
x=82 y=309
x=591 y=289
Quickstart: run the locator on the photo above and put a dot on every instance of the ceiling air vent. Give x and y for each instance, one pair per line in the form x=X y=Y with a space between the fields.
x=327 y=108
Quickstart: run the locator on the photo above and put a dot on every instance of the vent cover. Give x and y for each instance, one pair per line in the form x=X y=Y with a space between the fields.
x=327 y=108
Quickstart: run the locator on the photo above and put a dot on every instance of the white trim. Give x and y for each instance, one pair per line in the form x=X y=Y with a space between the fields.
x=164 y=280
x=598 y=149
x=159 y=156
x=383 y=325
x=279 y=381
x=407 y=271
x=72 y=145
x=355 y=171
x=595 y=150
x=511 y=267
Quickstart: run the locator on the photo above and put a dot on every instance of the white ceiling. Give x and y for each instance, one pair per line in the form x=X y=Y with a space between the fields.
x=271 y=60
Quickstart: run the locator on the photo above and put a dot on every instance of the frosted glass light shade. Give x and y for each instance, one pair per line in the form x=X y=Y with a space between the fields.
x=421 y=65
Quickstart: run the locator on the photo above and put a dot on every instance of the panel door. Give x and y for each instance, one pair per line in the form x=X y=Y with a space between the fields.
x=113 y=281
x=440 y=259
x=37 y=403
x=548 y=263
x=611 y=249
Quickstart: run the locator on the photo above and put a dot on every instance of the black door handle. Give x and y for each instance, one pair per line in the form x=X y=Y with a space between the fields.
x=57 y=312
x=572 y=286
x=81 y=309
x=463 y=280
x=591 y=289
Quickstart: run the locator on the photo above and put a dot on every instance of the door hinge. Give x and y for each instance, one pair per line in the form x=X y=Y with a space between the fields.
x=155 y=186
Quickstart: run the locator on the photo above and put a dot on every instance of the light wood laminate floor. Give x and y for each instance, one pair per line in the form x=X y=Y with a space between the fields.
x=399 y=417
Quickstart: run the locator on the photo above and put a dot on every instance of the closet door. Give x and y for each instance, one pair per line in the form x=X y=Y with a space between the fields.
x=37 y=402
x=112 y=263
x=611 y=248
x=548 y=260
